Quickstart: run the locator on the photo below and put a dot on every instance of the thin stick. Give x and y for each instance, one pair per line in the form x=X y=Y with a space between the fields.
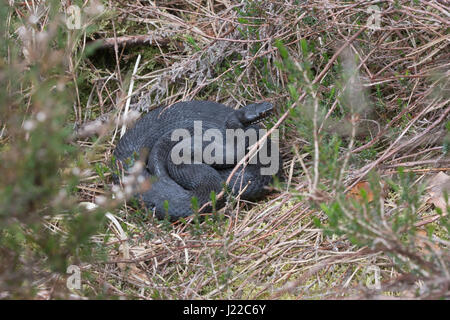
x=130 y=91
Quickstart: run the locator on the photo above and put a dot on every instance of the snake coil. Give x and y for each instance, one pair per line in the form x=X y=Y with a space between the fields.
x=178 y=183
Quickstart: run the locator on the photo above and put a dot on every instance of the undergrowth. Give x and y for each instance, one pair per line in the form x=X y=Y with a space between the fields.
x=364 y=131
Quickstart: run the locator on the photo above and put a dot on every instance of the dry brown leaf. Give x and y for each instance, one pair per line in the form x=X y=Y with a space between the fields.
x=355 y=192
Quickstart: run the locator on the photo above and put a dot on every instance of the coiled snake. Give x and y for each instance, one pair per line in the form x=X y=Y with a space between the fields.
x=178 y=183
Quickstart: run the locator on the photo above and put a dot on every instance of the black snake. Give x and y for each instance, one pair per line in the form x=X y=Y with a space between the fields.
x=178 y=183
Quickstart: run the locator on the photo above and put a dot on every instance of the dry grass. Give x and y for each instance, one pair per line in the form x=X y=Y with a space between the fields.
x=224 y=51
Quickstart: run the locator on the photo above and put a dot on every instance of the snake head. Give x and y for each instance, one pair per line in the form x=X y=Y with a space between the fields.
x=254 y=113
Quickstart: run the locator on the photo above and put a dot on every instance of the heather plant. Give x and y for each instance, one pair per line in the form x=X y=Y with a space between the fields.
x=42 y=228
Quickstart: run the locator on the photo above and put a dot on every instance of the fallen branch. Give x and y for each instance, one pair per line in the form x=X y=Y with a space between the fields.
x=126 y=41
